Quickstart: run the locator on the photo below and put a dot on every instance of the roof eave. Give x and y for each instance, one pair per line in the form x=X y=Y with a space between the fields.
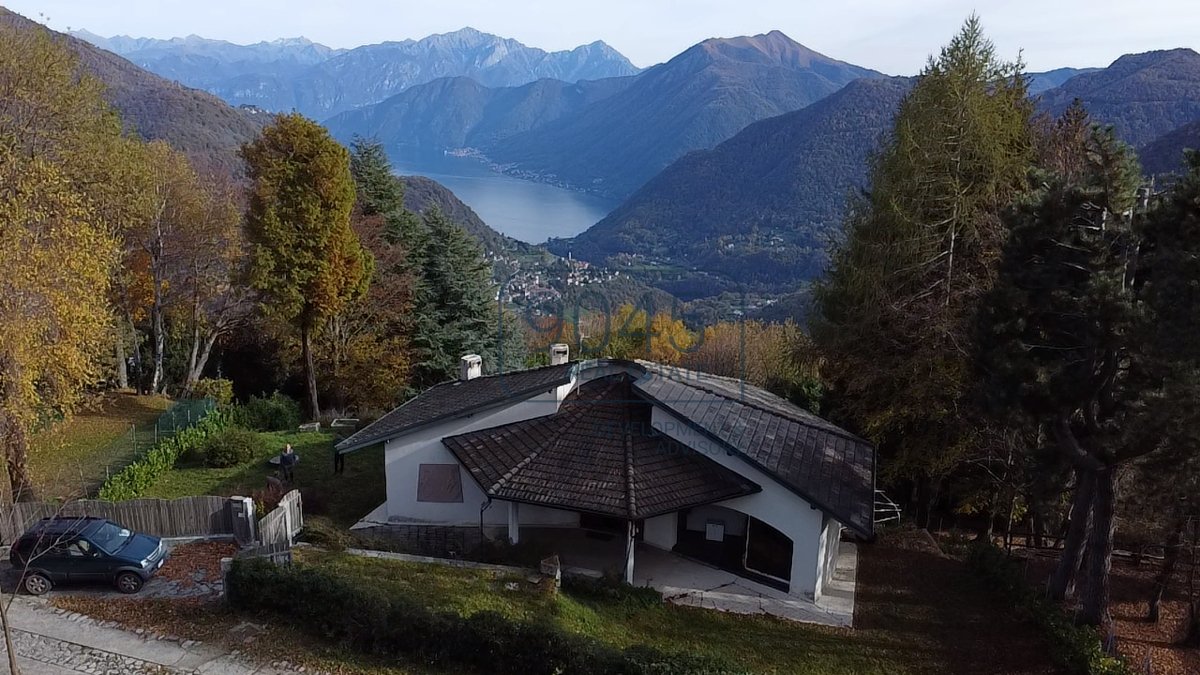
x=345 y=447
x=815 y=503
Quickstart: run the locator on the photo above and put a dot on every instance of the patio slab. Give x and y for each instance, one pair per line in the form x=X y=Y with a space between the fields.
x=692 y=583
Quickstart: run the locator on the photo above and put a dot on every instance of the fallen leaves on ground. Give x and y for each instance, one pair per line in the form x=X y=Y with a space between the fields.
x=197 y=562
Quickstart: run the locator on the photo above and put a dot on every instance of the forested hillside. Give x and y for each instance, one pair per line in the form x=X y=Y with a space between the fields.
x=459 y=112
x=198 y=123
x=1165 y=154
x=692 y=102
x=761 y=208
x=1142 y=95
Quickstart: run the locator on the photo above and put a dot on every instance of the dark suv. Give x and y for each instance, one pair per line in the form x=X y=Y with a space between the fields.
x=82 y=549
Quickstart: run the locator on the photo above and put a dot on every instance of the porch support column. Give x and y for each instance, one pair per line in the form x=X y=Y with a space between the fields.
x=514 y=523
x=629 y=545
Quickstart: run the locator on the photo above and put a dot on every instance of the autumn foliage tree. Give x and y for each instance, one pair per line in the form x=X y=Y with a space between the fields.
x=56 y=249
x=306 y=261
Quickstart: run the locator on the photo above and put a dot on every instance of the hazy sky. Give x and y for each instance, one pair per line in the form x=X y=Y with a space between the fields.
x=894 y=36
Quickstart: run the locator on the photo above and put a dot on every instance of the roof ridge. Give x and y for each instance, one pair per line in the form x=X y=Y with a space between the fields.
x=565 y=422
x=749 y=403
x=630 y=497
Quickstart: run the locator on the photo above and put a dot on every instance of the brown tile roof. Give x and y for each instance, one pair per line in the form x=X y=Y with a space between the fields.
x=829 y=467
x=456 y=398
x=598 y=454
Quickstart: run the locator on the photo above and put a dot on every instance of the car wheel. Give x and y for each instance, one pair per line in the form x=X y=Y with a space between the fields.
x=129 y=582
x=37 y=584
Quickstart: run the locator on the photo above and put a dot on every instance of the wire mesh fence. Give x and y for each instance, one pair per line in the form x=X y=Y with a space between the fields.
x=141 y=438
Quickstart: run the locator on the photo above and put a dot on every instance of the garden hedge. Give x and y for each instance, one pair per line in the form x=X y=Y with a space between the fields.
x=133 y=480
x=371 y=622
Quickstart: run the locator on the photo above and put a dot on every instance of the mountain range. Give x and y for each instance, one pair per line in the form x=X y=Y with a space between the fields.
x=736 y=157
x=196 y=122
x=1143 y=96
x=297 y=74
x=760 y=209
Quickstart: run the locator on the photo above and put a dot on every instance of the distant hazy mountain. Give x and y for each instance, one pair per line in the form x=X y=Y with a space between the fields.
x=320 y=82
x=760 y=208
x=1165 y=154
x=1040 y=82
x=694 y=101
x=1142 y=95
x=193 y=121
x=459 y=112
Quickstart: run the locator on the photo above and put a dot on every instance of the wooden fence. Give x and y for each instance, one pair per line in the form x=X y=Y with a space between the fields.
x=183 y=517
x=280 y=526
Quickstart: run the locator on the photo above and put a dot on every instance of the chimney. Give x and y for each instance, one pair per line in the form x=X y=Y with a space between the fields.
x=560 y=353
x=470 y=367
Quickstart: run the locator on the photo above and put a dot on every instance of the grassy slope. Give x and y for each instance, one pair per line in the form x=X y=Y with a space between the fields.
x=72 y=458
x=344 y=499
x=918 y=612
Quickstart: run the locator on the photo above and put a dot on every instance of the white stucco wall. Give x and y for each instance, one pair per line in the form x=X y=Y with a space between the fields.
x=776 y=505
x=698 y=517
x=403 y=455
x=831 y=535
x=661 y=531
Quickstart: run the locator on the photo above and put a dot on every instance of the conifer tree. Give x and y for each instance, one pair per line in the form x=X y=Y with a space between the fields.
x=896 y=309
x=455 y=303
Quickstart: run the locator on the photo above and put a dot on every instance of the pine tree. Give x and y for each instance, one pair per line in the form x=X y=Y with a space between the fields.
x=307 y=262
x=455 y=303
x=1081 y=331
x=896 y=308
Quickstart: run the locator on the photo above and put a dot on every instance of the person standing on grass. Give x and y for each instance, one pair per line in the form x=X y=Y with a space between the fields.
x=287 y=462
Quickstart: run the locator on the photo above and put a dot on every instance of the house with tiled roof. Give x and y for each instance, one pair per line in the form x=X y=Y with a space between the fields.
x=632 y=468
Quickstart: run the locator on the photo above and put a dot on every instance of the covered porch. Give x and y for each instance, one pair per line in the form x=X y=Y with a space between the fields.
x=687 y=581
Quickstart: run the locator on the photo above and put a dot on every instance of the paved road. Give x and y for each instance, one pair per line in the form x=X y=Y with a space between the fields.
x=50 y=641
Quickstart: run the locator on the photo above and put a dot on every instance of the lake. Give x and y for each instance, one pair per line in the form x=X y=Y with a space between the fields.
x=522 y=209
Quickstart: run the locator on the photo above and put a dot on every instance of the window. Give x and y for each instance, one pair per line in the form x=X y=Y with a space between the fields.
x=439 y=483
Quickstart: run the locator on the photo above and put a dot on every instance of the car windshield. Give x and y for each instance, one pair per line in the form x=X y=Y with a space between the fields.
x=110 y=537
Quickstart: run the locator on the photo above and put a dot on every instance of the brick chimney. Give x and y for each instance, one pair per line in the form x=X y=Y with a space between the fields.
x=560 y=353
x=470 y=367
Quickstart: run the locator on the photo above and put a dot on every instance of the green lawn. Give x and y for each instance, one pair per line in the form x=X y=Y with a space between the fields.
x=765 y=645
x=344 y=499
x=72 y=458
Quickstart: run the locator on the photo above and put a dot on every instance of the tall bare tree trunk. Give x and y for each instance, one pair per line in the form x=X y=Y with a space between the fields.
x=310 y=372
x=1100 y=545
x=1170 y=559
x=160 y=338
x=1077 y=535
x=119 y=360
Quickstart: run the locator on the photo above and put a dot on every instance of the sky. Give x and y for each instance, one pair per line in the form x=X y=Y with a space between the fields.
x=892 y=36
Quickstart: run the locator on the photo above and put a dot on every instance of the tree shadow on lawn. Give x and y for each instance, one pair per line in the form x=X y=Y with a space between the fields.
x=950 y=620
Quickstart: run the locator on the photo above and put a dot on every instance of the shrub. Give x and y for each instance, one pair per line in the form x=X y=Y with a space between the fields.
x=273 y=413
x=1078 y=648
x=611 y=589
x=369 y=621
x=219 y=390
x=321 y=531
x=133 y=480
x=232 y=446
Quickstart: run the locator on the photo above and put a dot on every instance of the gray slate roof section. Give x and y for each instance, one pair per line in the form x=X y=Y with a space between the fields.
x=457 y=398
x=831 y=468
